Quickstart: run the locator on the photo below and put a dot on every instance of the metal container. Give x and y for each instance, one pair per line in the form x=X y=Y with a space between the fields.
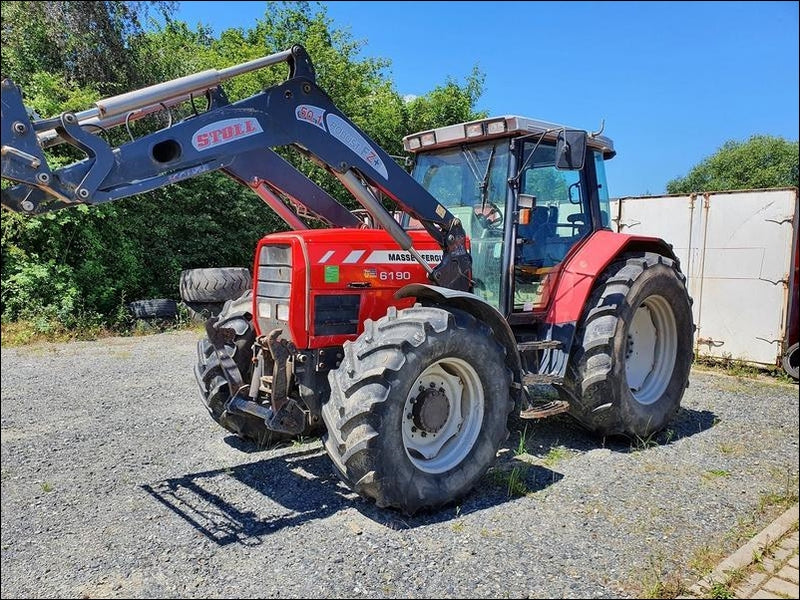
x=739 y=251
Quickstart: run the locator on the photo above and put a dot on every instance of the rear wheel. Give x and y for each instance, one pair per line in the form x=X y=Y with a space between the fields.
x=418 y=407
x=633 y=348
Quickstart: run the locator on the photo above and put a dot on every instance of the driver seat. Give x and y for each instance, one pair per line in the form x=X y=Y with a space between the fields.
x=531 y=238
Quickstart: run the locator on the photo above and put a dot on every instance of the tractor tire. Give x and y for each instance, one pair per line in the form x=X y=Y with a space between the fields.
x=418 y=407
x=213 y=286
x=214 y=388
x=630 y=360
x=201 y=311
x=160 y=308
x=790 y=361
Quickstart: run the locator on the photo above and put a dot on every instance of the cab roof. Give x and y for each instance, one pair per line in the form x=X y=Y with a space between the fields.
x=495 y=127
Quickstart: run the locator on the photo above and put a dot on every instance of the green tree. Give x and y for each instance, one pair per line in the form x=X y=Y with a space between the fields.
x=761 y=162
x=83 y=264
x=85 y=43
x=447 y=104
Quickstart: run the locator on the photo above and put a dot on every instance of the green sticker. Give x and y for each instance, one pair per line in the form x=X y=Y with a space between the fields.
x=331 y=273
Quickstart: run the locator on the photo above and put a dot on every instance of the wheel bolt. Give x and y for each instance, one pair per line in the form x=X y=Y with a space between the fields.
x=408 y=416
x=413 y=429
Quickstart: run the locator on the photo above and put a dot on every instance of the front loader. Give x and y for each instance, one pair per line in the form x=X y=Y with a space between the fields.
x=408 y=343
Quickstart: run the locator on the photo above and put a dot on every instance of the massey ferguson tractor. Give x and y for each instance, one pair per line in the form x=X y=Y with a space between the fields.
x=410 y=337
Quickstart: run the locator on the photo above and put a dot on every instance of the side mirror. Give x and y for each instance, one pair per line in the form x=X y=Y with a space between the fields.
x=570 y=150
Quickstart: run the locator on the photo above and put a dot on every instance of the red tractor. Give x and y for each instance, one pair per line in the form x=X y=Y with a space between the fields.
x=408 y=339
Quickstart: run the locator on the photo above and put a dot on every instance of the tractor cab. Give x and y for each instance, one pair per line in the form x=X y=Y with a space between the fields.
x=527 y=193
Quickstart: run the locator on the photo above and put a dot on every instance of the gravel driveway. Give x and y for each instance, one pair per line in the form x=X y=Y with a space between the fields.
x=116 y=482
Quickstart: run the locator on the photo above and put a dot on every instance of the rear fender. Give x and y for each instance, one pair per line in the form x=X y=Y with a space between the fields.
x=582 y=269
x=477 y=307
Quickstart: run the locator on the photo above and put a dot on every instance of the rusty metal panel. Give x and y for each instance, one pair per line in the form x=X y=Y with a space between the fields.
x=735 y=248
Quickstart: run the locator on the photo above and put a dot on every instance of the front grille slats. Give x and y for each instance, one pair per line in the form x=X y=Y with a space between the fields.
x=274 y=289
x=273 y=273
x=274 y=278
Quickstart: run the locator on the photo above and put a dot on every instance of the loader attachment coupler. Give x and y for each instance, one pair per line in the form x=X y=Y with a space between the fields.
x=23 y=159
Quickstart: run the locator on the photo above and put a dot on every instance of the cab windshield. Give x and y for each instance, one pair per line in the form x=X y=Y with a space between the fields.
x=455 y=176
x=471 y=181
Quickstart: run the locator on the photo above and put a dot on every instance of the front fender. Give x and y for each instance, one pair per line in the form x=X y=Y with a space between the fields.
x=475 y=306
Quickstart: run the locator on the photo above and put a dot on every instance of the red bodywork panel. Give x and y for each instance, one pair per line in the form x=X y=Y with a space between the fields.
x=584 y=264
x=368 y=263
x=337 y=262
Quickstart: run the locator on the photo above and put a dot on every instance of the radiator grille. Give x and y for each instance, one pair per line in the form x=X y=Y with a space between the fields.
x=274 y=279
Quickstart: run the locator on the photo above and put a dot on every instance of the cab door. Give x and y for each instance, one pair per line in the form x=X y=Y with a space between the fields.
x=560 y=219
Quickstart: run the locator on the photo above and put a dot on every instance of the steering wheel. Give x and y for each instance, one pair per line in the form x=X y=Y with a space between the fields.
x=489 y=215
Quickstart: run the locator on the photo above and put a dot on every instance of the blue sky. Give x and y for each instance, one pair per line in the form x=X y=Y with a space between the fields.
x=673 y=80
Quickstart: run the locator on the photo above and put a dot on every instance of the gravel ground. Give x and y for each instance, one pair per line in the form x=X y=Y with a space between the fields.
x=116 y=483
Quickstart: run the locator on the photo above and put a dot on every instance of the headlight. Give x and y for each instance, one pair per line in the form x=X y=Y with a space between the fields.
x=283 y=312
x=475 y=130
x=496 y=127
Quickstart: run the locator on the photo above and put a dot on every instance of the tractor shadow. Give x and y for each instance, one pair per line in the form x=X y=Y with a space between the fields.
x=296 y=485
x=540 y=438
x=246 y=503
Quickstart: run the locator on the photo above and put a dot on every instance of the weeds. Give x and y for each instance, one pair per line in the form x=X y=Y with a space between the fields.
x=516 y=485
x=720 y=590
x=458 y=526
x=512 y=481
x=784 y=497
x=730 y=448
x=713 y=474
x=738 y=368
x=704 y=560
x=640 y=443
x=658 y=585
x=758 y=556
x=522 y=446
x=556 y=455
x=25 y=332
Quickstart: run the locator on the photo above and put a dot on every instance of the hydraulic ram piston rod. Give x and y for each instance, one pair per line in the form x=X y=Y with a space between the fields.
x=172 y=91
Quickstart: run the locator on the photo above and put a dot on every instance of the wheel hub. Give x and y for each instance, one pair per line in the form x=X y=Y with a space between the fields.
x=650 y=349
x=431 y=409
x=442 y=415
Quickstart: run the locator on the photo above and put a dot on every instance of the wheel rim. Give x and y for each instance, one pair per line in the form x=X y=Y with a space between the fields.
x=443 y=415
x=650 y=351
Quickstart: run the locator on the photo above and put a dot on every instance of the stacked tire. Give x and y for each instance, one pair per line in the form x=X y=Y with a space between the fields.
x=158 y=308
x=205 y=291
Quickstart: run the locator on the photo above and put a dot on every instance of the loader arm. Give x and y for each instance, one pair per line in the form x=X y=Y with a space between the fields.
x=235 y=138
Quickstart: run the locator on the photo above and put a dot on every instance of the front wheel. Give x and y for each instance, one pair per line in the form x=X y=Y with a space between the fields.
x=418 y=408
x=633 y=348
